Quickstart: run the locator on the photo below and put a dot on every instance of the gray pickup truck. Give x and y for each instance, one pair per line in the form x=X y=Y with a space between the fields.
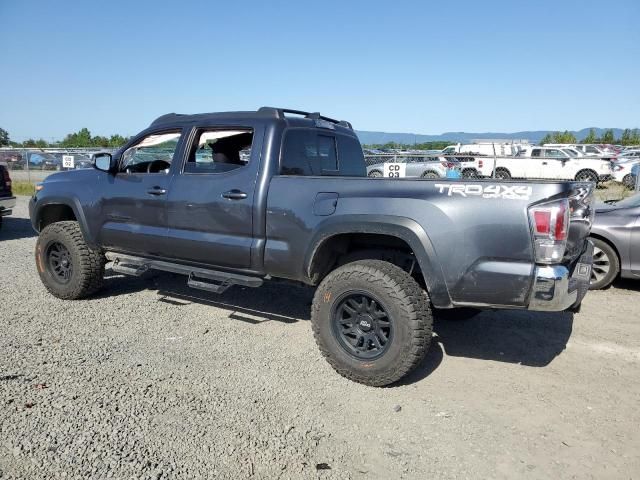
x=239 y=198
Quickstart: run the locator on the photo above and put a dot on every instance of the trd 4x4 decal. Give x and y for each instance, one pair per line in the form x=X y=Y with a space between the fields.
x=509 y=192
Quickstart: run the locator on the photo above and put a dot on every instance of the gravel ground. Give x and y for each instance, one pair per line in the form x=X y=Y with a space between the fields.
x=152 y=380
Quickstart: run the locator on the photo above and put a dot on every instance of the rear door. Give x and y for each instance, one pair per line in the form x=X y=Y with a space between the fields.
x=554 y=164
x=210 y=209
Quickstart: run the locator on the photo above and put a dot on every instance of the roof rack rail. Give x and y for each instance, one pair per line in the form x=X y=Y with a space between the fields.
x=280 y=113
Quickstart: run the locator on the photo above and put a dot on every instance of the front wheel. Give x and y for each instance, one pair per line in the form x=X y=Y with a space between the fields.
x=68 y=268
x=375 y=174
x=430 y=175
x=371 y=321
x=606 y=265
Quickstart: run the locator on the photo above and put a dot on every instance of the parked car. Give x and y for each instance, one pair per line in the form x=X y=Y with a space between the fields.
x=622 y=171
x=616 y=238
x=553 y=163
x=7 y=200
x=13 y=158
x=386 y=255
x=421 y=167
x=631 y=181
x=44 y=161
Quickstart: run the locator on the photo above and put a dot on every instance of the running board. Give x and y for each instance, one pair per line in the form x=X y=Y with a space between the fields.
x=202 y=278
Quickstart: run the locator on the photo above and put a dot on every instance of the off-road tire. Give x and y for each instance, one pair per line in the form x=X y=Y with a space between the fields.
x=609 y=255
x=407 y=305
x=88 y=265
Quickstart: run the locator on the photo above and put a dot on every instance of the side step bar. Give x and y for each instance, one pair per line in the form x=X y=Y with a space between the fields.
x=202 y=278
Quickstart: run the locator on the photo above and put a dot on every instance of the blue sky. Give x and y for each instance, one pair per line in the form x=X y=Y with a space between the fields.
x=396 y=66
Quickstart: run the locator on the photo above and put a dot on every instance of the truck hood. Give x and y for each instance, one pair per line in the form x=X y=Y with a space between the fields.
x=84 y=175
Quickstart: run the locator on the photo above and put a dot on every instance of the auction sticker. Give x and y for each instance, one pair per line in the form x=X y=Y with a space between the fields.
x=395 y=170
x=67 y=161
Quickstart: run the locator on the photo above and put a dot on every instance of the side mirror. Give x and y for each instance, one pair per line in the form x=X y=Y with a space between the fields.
x=104 y=162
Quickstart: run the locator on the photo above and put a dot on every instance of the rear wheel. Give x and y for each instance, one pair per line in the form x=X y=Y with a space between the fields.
x=503 y=174
x=68 y=268
x=371 y=321
x=430 y=174
x=629 y=181
x=375 y=173
x=587 y=176
x=606 y=265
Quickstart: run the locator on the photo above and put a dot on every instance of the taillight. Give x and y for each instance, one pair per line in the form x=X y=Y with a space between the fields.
x=550 y=225
x=7 y=178
x=480 y=163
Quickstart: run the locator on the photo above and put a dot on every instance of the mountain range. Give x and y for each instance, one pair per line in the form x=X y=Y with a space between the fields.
x=534 y=136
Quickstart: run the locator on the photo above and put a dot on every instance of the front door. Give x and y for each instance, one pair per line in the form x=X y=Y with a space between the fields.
x=134 y=216
x=211 y=203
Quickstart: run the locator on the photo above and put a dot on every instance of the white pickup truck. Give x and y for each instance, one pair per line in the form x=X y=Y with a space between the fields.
x=553 y=163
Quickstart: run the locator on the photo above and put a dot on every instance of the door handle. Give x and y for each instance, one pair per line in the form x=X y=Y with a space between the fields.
x=156 y=191
x=544 y=163
x=234 y=194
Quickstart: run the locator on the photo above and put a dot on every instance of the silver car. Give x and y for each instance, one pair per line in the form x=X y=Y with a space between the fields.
x=417 y=166
x=616 y=237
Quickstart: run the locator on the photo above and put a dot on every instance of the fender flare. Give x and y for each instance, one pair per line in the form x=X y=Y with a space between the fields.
x=403 y=228
x=75 y=206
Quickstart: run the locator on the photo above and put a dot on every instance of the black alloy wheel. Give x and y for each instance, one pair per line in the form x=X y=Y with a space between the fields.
x=362 y=326
x=59 y=262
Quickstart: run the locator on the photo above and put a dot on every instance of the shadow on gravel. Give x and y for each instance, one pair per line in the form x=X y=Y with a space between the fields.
x=515 y=336
x=627 y=284
x=533 y=339
x=274 y=301
x=15 y=228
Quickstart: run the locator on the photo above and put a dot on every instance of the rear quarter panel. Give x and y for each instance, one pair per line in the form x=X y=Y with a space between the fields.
x=480 y=243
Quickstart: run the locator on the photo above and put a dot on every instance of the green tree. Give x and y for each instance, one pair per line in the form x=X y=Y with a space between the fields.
x=608 y=137
x=547 y=139
x=4 y=137
x=591 y=137
x=80 y=139
x=117 y=141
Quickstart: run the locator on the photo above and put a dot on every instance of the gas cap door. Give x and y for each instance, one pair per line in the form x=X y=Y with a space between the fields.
x=325 y=203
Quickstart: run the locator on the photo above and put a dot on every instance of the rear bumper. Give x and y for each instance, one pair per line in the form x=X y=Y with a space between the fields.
x=6 y=205
x=559 y=287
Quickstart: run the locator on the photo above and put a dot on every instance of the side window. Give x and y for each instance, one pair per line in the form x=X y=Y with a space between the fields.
x=153 y=154
x=351 y=157
x=536 y=152
x=553 y=153
x=306 y=152
x=219 y=151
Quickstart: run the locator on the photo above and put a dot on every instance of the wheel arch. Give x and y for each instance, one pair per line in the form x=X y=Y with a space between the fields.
x=609 y=242
x=52 y=210
x=330 y=241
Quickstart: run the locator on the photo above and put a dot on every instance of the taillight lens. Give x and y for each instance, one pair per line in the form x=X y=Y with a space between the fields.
x=480 y=163
x=550 y=225
x=7 y=178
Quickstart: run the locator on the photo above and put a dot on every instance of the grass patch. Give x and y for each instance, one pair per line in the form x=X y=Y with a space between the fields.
x=23 y=188
x=612 y=191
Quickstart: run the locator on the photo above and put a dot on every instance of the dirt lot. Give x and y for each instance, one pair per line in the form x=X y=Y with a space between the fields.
x=153 y=380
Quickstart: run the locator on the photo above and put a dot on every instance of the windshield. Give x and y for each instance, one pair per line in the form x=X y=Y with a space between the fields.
x=571 y=152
